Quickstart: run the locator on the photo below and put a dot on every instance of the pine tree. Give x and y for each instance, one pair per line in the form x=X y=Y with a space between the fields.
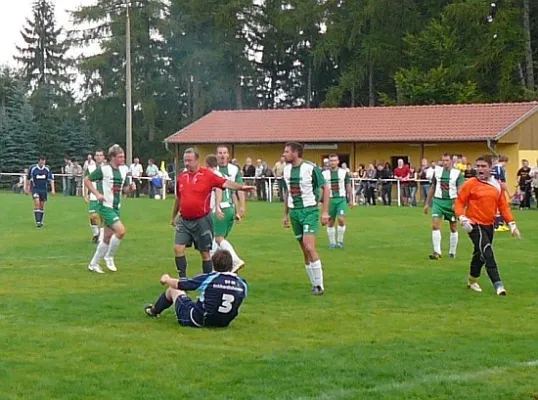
x=43 y=56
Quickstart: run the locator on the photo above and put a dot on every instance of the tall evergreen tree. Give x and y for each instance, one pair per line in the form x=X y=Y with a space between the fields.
x=43 y=55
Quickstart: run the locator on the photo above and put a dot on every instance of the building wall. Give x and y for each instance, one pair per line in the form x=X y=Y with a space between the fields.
x=530 y=155
x=526 y=134
x=366 y=153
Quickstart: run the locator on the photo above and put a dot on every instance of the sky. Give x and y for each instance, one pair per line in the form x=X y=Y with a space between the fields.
x=13 y=17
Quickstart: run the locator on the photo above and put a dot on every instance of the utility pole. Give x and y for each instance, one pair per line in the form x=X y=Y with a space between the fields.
x=128 y=100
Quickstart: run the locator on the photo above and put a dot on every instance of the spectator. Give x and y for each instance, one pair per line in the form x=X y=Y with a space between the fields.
x=401 y=173
x=259 y=173
x=136 y=171
x=524 y=180
x=360 y=192
x=76 y=179
x=19 y=186
x=470 y=172
x=235 y=162
x=412 y=186
x=279 y=170
x=151 y=172
x=89 y=161
x=325 y=164
x=67 y=170
x=344 y=166
x=249 y=171
x=383 y=174
x=423 y=176
x=534 y=175
x=371 y=175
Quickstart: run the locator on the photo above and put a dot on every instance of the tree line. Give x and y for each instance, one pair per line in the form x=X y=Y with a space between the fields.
x=193 y=56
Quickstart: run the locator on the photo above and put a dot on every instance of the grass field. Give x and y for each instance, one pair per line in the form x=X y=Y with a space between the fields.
x=391 y=325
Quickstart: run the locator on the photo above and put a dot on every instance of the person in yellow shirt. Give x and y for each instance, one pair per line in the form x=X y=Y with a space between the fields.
x=461 y=164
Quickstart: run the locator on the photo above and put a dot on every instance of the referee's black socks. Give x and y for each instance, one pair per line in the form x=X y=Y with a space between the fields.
x=181 y=266
x=207 y=266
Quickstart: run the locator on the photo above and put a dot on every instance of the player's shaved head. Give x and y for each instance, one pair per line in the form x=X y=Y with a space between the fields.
x=211 y=161
x=222 y=261
x=334 y=161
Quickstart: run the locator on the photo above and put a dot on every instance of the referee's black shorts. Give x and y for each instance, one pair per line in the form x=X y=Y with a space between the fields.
x=195 y=231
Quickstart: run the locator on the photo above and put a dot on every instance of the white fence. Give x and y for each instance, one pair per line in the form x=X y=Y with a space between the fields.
x=80 y=190
x=270 y=185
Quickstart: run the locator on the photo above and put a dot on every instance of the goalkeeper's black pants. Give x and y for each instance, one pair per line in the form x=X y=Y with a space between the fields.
x=482 y=238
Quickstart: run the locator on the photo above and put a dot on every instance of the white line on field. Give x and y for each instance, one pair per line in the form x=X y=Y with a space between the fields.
x=427 y=379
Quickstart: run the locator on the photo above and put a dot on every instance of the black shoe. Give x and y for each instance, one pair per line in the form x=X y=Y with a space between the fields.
x=435 y=256
x=95 y=239
x=317 y=291
x=148 y=309
x=452 y=255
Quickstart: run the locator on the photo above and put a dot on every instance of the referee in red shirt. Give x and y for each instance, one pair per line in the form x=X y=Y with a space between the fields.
x=195 y=223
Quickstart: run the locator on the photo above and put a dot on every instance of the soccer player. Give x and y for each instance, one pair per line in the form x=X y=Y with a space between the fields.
x=341 y=195
x=304 y=181
x=498 y=172
x=39 y=175
x=444 y=188
x=476 y=208
x=110 y=179
x=193 y=201
x=96 y=223
x=222 y=293
x=232 y=207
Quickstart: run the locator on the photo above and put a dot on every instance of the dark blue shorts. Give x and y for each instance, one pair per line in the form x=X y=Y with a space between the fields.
x=184 y=307
x=39 y=194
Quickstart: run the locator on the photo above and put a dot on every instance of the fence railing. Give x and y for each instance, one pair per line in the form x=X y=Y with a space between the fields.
x=268 y=187
x=79 y=189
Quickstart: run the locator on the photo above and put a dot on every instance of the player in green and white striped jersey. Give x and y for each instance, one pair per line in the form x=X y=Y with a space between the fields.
x=224 y=214
x=233 y=206
x=111 y=179
x=341 y=195
x=304 y=181
x=96 y=223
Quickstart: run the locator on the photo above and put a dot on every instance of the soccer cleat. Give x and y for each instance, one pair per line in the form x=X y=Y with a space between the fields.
x=110 y=264
x=238 y=264
x=95 y=239
x=95 y=268
x=435 y=256
x=148 y=310
x=452 y=255
x=317 y=290
x=39 y=225
x=500 y=290
x=340 y=245
x=332 y=246
x=473 y=285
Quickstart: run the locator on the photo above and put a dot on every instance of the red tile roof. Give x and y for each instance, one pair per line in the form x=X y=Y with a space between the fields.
x=440 y=123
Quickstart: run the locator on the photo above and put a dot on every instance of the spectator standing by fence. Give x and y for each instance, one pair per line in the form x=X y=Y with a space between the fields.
x=77 y=179
x=259 y=173
x=136 y=171
x=524 y=180
x=67 y=170
x=279 y=170
x=534 y=175
x=151 y=172
x=249 y=171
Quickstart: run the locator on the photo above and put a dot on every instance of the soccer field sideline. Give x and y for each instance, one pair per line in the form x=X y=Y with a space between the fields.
x=391 y=325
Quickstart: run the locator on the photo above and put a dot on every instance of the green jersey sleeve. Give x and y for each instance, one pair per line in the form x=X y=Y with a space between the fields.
x=96 y=175
x=461 y=180
x=318 y=181
x=239 y=177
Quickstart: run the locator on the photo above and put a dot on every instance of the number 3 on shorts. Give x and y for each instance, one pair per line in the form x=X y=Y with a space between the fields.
x=226 y=306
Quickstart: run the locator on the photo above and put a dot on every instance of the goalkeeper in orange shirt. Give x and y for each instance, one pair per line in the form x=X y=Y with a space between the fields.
x=476 y=209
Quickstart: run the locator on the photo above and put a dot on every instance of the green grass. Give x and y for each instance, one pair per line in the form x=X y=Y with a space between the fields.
x=391 y=325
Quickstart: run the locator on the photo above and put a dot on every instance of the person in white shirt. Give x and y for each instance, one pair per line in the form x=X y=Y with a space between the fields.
x=151 y=172
x=89 y=161
x=136 y=171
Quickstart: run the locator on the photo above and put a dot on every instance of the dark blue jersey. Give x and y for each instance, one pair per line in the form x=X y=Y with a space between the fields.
x=498 y=173
x=221 y=295
x=39 y=177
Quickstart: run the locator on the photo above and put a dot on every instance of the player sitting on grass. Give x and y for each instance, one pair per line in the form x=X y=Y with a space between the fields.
x=222 y=293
